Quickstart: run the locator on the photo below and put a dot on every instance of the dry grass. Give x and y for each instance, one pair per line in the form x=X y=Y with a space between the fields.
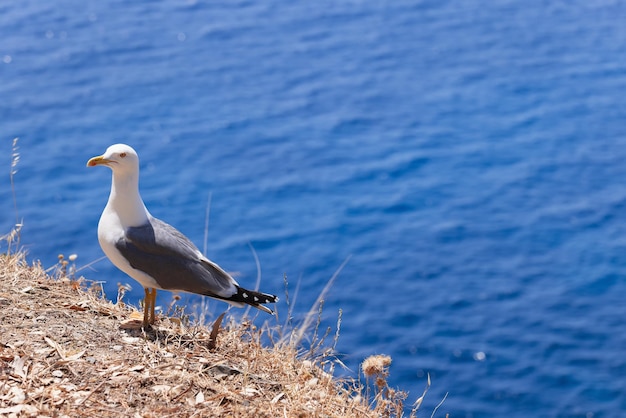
x=66 y=351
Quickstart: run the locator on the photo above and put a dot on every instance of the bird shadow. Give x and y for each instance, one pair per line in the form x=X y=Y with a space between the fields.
x=179 y=335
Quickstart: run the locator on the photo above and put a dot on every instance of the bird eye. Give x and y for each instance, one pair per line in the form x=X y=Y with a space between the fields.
x=122 y=155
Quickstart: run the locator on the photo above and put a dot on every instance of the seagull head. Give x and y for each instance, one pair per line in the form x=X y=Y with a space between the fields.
x=120 y=158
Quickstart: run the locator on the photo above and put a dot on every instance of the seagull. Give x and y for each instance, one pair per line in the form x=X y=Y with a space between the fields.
x=153 y=252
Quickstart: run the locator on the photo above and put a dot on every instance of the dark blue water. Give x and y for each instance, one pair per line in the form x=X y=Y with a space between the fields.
x=469 y=156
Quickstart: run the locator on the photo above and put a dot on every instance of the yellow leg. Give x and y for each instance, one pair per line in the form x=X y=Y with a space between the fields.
x=153 y=305
x=149 y=303
x=146 y=307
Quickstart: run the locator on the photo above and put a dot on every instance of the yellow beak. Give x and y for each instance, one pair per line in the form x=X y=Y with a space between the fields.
x=99 y=160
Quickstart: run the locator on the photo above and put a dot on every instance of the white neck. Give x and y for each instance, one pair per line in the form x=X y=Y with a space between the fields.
x=126 y=201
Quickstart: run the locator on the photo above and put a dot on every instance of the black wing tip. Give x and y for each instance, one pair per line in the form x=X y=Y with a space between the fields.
x=253 y=298
x=248 y=297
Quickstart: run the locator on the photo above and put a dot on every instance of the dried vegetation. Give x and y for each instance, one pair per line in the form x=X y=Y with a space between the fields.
x=67 y=351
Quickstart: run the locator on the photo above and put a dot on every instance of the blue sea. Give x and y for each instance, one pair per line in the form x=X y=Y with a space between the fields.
x=468 y=159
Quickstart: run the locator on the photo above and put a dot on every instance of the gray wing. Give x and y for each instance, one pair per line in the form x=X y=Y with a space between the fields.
x=161 y=251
